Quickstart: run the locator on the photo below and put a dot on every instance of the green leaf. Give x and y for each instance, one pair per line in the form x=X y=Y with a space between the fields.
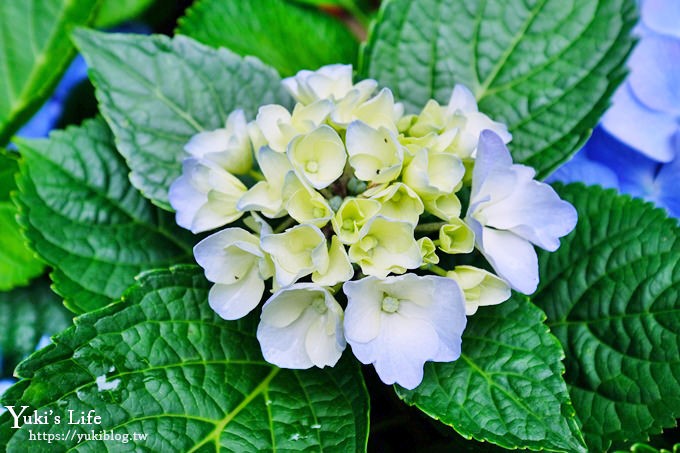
x=286 y=36
x=612 y=297
x=34 y=51
x=18 y=264
x=83 y=218
x=115 y=12
x=156 y=93
x=507 y=386
x=26 y=315
x=169 y=367
x=544 y=67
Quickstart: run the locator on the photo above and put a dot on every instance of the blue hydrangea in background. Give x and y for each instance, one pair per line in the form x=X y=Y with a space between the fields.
x=636 y=148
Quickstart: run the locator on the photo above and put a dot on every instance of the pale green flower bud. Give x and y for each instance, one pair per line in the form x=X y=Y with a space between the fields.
x=456 y=237
x=374 y=154
x=296 y=252
x=480 y=287
x=352 y=215
x=386 y=246
x=431 y=175
x=318 y=157
x=279 y=127
x=432 y=119
x=380 y=111
x=428 y=250
x=446 y=207
x=339 y=267
x=398 y=202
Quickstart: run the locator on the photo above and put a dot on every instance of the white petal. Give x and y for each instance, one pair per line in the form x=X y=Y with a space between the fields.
x=462 y=99
x=362 y=315
x=513 y=258
x=228 y=254
x=236 y=300
x=339 y=267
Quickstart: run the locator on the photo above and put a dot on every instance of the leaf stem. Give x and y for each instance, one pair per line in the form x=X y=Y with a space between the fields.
x=434 y=269
x=284 y=224
x=429 y=227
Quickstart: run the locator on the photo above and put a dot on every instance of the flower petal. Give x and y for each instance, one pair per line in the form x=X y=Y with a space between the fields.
x=235 y=300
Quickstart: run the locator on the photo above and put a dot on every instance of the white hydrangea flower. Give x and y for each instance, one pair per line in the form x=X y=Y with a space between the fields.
x=509 y=211
x=386 y=246
x=318 y=157
x=229 y=147
x=339 y=267
x=374 y=154
x=305 y=204
x=267 y=196
x=351 y=216
x=378 y=112
x=397 y=201
x=233 y=260
x=332 y=82
x=301 y=327
x=399 y=323
x=470 y=122
x=432 y=175
x=480 y=287
x=297 y=252
x=278 y=126
x=205 y=196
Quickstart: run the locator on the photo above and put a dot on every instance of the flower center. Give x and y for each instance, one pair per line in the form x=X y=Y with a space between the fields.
x=312 y=166
x=319 y=305
x=390 y=304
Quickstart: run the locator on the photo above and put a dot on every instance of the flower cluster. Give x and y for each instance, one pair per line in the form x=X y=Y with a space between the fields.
x=351 y=213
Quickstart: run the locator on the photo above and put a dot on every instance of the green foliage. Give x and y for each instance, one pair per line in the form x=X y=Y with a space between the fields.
x=83 y=218
x=115 y=12
x=156 y=93
x=18 y=264
x=26 y=314
x=507 y=386
x=612 y=297
x=544 y=67
x=283 y=35
x=161 y=362
x=34 y=51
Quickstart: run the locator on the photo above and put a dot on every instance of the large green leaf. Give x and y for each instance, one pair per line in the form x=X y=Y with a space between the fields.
x=286 y=36
x=612 y=297
x=161 y=362
x=545 y=67
x=18 y=264
x=83 y=218
x=156 y=93
x=115 y=12
x=34 y=51
x=26 y=315
x=507 y=386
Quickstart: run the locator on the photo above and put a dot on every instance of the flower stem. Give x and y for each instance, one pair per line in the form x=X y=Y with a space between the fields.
x=429 y=227
x=284 y=224
x=256 y=175
x=434 y=269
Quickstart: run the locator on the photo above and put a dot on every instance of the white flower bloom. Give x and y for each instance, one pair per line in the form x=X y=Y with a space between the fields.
x=470 y=122
x=447 y=207
x=339 y=267
x=233 y=260
x=332 y=82
x=386 y=246
x=267 y=196
x=378 y=112
x=297 y=252
x=205 y=196
x=279 y=127
x=375 y=154
x=509 y=211
x=352 y=215
x=318 y=157
x=399 y=323
x=398 y=201
x=432 y=175
x=301 y=327
x=229 y=147
x=305 y=204
x=480 y=287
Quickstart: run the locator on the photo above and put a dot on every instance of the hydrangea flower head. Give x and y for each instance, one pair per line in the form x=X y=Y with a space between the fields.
x=364 y=203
